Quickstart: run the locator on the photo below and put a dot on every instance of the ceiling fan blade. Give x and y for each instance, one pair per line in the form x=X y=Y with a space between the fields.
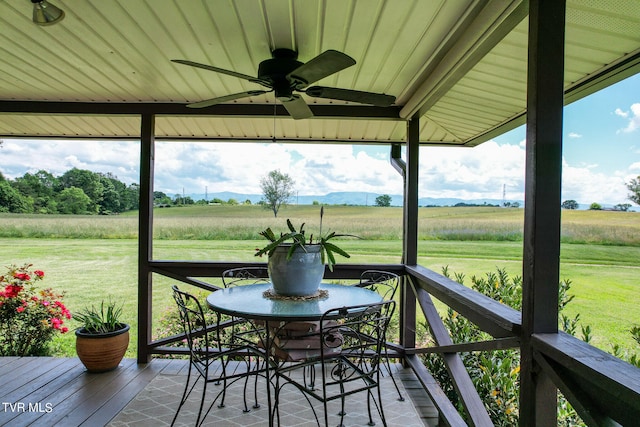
x=221 y=70
x=226 y=98
x=323 y=65
x=371 y=98
x=297 y=108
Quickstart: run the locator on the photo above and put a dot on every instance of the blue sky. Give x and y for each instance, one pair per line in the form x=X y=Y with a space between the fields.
x=601 y=153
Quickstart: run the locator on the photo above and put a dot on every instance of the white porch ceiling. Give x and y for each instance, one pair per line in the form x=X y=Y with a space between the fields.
x=460 y=65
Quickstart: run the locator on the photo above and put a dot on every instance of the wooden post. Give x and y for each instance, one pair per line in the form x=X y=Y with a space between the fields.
x=410 y=233
x=145 y=235
x=541 y=256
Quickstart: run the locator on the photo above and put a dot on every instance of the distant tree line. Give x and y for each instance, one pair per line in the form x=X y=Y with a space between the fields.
x=162 y=200
x=572 y=205
x=634 y=195
x=77 y=191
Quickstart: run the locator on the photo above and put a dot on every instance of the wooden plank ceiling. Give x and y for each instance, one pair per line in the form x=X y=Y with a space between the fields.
x=460 y=65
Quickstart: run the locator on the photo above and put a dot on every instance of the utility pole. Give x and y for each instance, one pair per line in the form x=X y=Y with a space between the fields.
x=504 y=195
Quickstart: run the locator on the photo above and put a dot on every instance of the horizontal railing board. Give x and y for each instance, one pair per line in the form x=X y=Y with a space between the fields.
x=215 y=269
x=490 y=345
x=488 y=314
x=612 y=383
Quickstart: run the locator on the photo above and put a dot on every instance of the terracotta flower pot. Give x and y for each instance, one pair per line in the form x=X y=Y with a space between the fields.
x=102 y=352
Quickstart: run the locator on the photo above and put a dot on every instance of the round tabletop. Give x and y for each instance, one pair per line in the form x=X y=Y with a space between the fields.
x=249 y=302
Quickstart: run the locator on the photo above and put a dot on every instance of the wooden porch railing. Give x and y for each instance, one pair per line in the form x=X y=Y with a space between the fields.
x=603 y=389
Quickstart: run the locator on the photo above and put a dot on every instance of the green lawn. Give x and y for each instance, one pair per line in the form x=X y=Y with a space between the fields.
x=97 y=262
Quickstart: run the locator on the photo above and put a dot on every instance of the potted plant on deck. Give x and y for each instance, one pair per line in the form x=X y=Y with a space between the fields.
x=296 y=263
x=103 y=338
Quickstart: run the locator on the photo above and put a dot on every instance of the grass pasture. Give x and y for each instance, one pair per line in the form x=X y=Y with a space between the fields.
x=95 y=257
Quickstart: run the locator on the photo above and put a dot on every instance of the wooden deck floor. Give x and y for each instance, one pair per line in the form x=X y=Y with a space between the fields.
x=46 y=391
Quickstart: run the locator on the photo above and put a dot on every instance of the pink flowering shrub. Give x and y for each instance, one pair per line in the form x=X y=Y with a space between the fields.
x=29 y=317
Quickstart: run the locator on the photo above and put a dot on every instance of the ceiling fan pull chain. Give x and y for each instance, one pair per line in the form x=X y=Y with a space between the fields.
x=275 y=111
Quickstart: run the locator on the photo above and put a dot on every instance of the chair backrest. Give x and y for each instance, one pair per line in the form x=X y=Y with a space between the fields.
x=359 y=331
x=244 y=276
x=194 y=324
x=383 y=282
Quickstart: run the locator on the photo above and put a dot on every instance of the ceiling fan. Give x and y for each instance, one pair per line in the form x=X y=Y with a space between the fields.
x=284 y=75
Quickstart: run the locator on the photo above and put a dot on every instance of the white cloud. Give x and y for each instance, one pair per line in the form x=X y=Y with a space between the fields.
x=634 y=120
x=574 y=135
x=586 y=186
x=121 y=158
x=478 y=172
x=619 y=112
x=466 y=173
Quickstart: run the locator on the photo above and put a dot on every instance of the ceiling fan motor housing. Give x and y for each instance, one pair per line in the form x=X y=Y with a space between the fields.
x=276 y=69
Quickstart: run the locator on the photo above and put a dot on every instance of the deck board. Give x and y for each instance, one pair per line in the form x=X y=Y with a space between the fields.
x=75 y=397
x=35 y=381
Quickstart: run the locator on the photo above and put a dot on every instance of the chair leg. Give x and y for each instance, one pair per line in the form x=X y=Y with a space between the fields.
x=224 y=384
x=369 y=397
x=248 y=363
x=309 y=372
x=388 y=365
x=185 y=394
x=256 y=405
x=380 y=407
x=204 y=394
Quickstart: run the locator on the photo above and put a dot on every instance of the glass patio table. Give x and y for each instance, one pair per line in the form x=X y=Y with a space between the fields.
x=251 y=303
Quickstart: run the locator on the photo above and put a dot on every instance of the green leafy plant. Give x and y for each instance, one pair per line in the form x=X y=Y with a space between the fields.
x=29 y=317
x=495 y=374
x=296 y=238
x=102 y=319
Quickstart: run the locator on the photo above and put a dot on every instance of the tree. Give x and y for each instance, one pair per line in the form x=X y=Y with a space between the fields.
x=12 y=201
x=183 y=200
x=115 y=195
x=160 y=198
x=624 y=207
x=570 y=204
x=634 y=187
x=595 y=206
x=89 y=182
x=132 y=197
x=383 y=201
x=73 y=200
x=277 y=188
x=110 y=202
x=41 y=187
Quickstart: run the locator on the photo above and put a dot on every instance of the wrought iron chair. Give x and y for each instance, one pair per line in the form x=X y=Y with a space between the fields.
x=347 y=356
x=383 y=282
x=386 y=284
x=244 y=276
x=210 y=353
x=243 y=330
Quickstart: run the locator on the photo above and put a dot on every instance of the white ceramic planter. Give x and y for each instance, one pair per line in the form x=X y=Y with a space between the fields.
x=299 y=276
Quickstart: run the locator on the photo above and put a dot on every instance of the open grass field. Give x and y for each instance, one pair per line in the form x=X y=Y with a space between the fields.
x=93 y=257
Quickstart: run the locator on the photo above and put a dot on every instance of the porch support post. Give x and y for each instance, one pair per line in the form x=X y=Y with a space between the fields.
x=541 y=256
x=410 y=233
x=145 y=235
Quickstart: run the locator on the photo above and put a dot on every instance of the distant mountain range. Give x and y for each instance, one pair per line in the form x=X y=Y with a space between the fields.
x=348 y=198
